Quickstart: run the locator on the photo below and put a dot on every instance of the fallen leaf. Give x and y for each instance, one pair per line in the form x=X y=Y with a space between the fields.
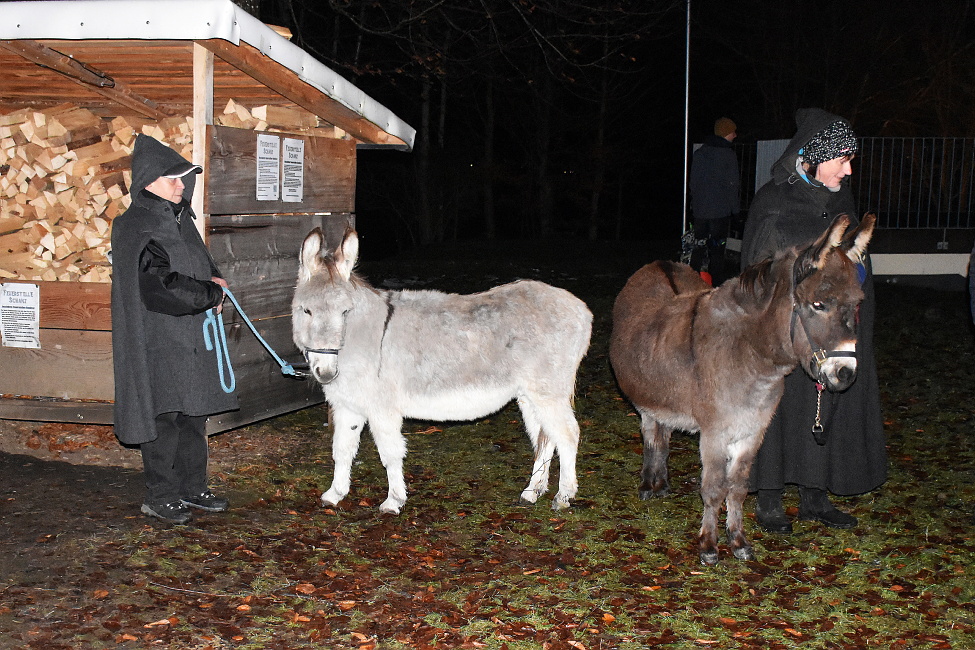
x=305 y=588
x=346 y=605
x=100 y=593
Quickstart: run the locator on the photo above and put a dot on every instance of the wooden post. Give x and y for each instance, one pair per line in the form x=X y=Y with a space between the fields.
x=202 y=116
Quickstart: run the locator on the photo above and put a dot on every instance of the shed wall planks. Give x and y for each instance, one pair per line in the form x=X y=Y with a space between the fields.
x=70 y=364
x=329 y=174
x=75 y=305
x=258 y=254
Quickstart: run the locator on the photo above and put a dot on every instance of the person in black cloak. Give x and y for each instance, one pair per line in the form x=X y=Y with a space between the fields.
x=849 y=456
x=166 y=382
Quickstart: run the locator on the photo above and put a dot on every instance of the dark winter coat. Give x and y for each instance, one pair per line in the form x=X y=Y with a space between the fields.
x=789 y=211
x=714 y=180
x=161 y=289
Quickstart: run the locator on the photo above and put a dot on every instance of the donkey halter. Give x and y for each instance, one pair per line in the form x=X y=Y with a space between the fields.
x=819 y=354
x=319 y=351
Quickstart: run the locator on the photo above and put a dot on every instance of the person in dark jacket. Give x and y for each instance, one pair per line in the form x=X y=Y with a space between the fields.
x=714 y=185
x=166 y=382
x=806 y=191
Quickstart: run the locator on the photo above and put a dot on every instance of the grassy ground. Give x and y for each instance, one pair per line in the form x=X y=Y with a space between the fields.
x=466 y=566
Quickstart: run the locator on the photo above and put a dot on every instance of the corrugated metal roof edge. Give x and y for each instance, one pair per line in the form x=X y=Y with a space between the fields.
x=189 y=20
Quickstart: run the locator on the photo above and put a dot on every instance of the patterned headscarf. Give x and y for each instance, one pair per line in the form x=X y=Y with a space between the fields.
x=835 y=141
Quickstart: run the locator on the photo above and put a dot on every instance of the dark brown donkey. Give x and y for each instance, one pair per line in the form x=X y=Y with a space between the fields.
x=694 y=358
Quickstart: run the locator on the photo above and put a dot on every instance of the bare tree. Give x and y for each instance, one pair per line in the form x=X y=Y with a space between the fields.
x=553 y=71
x=892 y=68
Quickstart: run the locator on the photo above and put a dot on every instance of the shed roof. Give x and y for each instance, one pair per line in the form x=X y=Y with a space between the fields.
x=122 y=57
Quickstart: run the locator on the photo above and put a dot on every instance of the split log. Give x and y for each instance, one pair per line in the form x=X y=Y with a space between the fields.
x=65 y=174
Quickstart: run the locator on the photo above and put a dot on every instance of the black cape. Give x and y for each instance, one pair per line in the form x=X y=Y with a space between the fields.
x=789 y=211
x=161 y=290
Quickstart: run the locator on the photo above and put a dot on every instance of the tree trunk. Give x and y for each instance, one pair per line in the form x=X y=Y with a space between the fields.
x=487 y=177
x=422 y=153
x=543 y=143
x=599 y=156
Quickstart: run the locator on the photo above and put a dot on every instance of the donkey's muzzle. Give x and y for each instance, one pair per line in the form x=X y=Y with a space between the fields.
x=836 y=370
x=324 y=372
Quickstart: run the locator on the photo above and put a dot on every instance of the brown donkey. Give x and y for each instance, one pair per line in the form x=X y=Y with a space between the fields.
x=694 y=358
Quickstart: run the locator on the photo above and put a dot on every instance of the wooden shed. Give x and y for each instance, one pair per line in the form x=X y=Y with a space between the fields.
x=79 y=80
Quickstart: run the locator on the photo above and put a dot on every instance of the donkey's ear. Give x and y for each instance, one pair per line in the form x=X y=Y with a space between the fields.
x=347 y=254
x=830 y=239
x=310 y=259
x=814 y=257
x=855 y=242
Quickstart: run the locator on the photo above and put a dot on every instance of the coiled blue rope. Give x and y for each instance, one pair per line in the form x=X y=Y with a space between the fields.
x=218 y=343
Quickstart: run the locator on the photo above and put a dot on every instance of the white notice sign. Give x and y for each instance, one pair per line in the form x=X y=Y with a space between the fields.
x=294 y=170
x=20 y=315
x=268 y=167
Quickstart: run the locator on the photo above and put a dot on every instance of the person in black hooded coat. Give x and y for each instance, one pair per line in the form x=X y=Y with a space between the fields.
x=804 y=195
x=166 y=381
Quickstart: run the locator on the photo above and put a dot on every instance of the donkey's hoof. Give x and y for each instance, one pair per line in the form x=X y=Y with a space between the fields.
x=646 y=495
x=709 y=557
x=391 y=506
x=529 y=497
x=560 y=503
x=744 y=553
x=329 y=500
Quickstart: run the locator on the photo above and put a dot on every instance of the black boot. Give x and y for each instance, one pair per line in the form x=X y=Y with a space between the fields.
x=771 y=514
x=814 y=505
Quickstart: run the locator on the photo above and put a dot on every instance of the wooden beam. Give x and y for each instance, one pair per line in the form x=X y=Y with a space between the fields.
x=86 y=76
x=252 y=62
x=46 y=410
x=202 y=117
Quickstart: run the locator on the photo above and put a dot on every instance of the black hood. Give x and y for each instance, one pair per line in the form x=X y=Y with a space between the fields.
x=809 y=122
x=150 y=160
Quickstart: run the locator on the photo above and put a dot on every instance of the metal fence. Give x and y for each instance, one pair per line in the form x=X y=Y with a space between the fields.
x=917 y=182
x=911 y=183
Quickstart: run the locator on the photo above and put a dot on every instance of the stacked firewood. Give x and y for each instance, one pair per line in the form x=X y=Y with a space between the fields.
x=65 y=174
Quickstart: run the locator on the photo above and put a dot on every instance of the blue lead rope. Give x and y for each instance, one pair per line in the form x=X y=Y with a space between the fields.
x=219 y=344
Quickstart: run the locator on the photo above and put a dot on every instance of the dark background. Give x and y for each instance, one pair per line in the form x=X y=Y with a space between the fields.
x=565 y=119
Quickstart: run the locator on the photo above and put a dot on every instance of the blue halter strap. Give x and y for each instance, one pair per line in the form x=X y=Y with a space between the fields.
x=218 y=343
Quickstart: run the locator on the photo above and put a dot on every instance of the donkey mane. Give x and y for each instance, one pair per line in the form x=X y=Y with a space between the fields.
x=758 y=283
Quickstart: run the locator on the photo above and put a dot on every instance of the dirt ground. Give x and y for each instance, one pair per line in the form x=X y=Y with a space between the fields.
x=64 y=481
